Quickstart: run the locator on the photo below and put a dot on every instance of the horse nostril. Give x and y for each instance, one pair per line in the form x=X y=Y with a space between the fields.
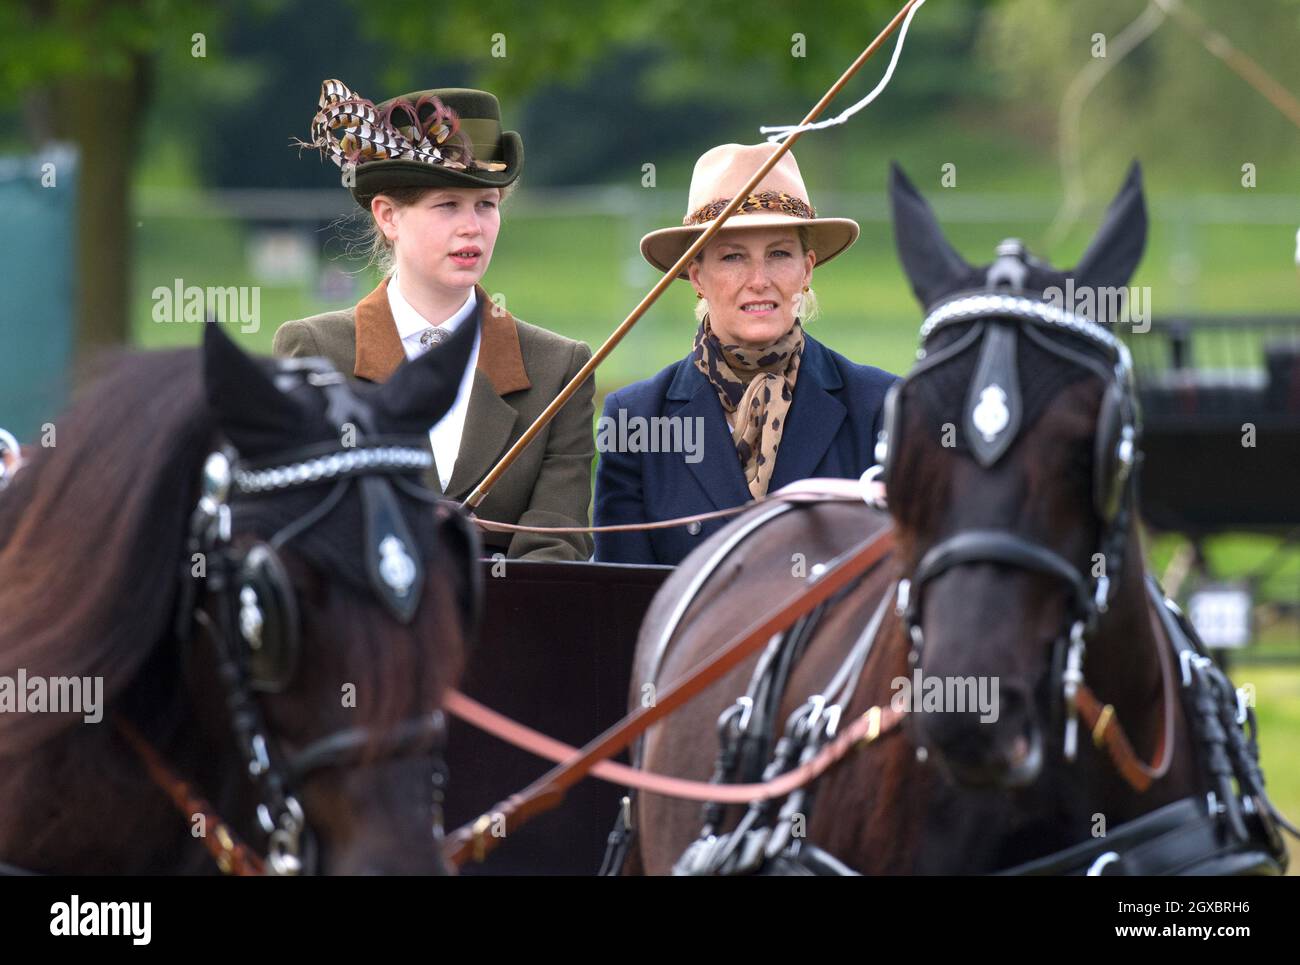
x=973 y=731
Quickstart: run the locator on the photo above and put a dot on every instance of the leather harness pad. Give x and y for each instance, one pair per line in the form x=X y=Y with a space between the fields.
x=395 y=570
x=993 y=406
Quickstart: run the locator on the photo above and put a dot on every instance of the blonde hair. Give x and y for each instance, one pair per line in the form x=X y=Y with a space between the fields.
x=373 y=244
x=806 y=308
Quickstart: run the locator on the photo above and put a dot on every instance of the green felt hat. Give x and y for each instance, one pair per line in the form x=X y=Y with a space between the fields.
x=447 y=137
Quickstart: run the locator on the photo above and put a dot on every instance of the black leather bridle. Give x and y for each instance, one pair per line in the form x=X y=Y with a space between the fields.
x=255 y=608
x=291 y=847
x=1088 y=595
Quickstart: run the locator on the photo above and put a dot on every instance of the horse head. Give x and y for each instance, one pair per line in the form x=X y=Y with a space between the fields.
x=238 y=557
x=1008 y=455
x=343 y=596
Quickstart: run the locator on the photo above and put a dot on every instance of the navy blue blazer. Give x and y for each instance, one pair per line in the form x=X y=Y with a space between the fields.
x=830 y=432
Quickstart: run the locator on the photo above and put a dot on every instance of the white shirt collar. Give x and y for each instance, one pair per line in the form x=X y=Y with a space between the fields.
x=411 y=322
x=445 y=437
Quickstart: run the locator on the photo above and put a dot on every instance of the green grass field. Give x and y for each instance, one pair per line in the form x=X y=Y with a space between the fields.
x=581 y=275
x=1277 y=708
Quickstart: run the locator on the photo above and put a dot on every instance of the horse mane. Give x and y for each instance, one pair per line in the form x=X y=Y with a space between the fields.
x=92 y=527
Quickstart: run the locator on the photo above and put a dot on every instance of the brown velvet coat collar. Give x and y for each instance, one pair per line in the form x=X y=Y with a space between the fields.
x=379 y=349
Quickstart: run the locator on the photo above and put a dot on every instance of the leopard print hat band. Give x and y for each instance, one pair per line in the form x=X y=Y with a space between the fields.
x=777 y=201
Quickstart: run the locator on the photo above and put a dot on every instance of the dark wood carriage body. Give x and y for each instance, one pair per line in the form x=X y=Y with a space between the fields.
x=555 y=653
x=1203 y=383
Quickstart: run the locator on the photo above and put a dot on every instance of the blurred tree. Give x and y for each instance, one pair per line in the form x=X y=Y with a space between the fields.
x=1170 y=99
x=516 y=47
x=83 y=71
x=599 y=86
x=246 y=134
x=673 y=75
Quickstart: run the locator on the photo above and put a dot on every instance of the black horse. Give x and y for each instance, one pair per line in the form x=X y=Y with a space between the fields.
x=228 y=613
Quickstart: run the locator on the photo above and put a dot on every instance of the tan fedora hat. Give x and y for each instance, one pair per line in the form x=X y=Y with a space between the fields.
x=780 y=200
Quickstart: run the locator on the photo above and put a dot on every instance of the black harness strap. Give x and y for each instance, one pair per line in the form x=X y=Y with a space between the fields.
x=1178 y=839
x=993 y=546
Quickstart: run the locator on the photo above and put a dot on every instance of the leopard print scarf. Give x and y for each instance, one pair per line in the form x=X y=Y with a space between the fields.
x=756 y=386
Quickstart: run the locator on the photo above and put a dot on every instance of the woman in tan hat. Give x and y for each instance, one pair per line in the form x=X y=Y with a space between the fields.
x=431 y=168
x=758 y=403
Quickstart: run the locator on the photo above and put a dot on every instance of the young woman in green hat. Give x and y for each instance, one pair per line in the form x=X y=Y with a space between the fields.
x=431 y=168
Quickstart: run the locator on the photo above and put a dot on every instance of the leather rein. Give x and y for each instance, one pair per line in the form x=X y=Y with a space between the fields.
x=473 y=840
x=797 y=492
x=1088 y=601
x=548 y=790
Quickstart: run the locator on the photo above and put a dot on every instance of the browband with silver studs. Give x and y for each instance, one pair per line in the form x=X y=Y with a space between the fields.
x=341 y=463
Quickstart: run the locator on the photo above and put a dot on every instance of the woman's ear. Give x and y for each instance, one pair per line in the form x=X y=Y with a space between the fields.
x=384 y=212
x=809 y=261
x=693 y=270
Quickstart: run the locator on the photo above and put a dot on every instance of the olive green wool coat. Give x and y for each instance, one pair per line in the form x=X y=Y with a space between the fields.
x=521 y=369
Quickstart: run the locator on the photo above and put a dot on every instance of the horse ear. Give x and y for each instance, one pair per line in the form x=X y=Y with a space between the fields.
x=252 y=411
x=421 y=391
x=1116 y=249
x=932 y=265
